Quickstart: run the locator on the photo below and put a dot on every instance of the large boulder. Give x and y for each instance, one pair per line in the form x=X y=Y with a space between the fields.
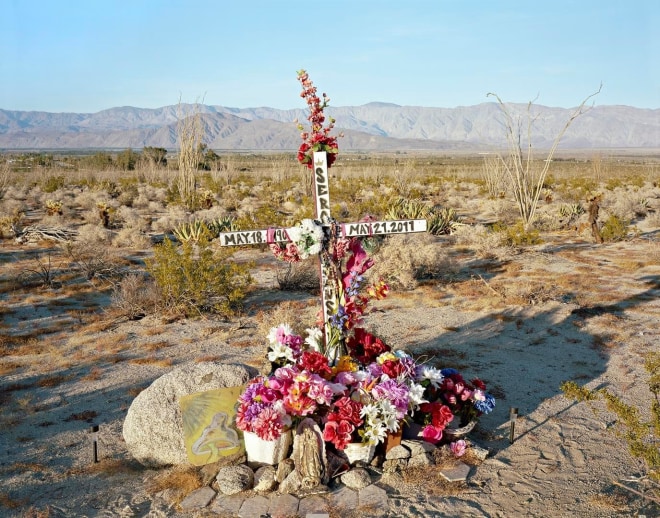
x=153 y=428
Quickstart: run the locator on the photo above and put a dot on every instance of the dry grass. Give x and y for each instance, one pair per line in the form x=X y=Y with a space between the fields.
x=180 y=481
x=157 y=362
x=53 y=381
x=156 y=346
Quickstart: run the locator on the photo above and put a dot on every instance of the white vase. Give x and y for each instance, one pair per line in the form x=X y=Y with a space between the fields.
x=261 y=451
x=359 y=451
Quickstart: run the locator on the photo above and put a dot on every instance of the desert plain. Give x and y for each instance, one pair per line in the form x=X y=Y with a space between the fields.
x=84 y=329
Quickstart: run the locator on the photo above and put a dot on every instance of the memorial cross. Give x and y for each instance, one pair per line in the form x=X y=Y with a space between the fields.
x=332 y=230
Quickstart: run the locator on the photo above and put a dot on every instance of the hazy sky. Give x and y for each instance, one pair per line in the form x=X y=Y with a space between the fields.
x=86 y=56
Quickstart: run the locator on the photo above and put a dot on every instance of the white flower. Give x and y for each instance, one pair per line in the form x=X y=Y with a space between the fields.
x=278 y=350
x=376 y=433
x=369 y=412
x=416 y=396
x=278 y=332
x=431 y=374
x=314 y=337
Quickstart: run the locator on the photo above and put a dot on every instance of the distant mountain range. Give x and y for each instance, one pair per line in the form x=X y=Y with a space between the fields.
x=371 y=127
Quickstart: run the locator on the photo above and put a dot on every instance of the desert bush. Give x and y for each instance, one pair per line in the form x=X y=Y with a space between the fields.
x=173 y=218
x=53 y=183
x=494 y=177
x=481 y=239
x=41 y=272
x=303 y=276
x=517 y=234
x=194 y=279
x=627 y=205
x=615 y=229
x=5 y=174
x=131 y=238
x=90 y=254
x=641 y=436
x=135 y=295
x=131 y=219
x=148 y=194
x=402 y=260
x=526 y=176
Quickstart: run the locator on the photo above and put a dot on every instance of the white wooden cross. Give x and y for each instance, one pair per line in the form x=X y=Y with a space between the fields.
x=329 y=288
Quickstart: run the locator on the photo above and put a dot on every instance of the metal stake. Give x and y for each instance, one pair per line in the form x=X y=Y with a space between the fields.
x=513 y=415
x=95 y=433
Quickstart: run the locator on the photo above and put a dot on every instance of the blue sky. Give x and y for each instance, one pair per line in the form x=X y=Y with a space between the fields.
x=86 y=56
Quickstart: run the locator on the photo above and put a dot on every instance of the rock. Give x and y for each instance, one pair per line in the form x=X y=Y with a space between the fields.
x=356 y=478
x=478 y=452
x=264 y=479
x=398 y=452
x=344 y=499
x=198 y=499
x=418 y=447
x=153 y=429
x=312 y=505
x=234 y=479
x=284 y=468
x=457 y=473
x=283 y=506
x=227 y=505
x=208 y=472
x=291 y=483
x=390 y=466
x=375 y=498
x=424 y=459
x=254 y=507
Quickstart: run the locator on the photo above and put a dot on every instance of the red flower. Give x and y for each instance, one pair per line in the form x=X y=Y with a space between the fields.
x=338 y=433
x=479 y=384
x=315 y=362
x=319 y=139
x=347 y=410
x=393 y=368
x=364 y=346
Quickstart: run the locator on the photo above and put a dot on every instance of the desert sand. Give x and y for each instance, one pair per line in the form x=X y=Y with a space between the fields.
x=593 y=311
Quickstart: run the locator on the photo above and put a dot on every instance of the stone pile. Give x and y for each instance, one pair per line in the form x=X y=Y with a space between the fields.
x=247 y=491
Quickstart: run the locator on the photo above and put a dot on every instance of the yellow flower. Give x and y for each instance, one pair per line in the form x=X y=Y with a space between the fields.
x=385 y=357
x=345 y=364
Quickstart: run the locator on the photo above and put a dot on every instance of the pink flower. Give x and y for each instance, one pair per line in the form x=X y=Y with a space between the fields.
x=458 y=448
x=432 y=434
x=268 y=425
x=338 y=433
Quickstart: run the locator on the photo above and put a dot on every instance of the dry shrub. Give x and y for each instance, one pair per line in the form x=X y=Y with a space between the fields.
x=90 y=255
x=404 y=259
x=131 y=238
x=298 y=314
x=148 y=194
x=174 y=218
x=181 y=480
x=479 y=238
x=132 y=219
x=301 y=276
